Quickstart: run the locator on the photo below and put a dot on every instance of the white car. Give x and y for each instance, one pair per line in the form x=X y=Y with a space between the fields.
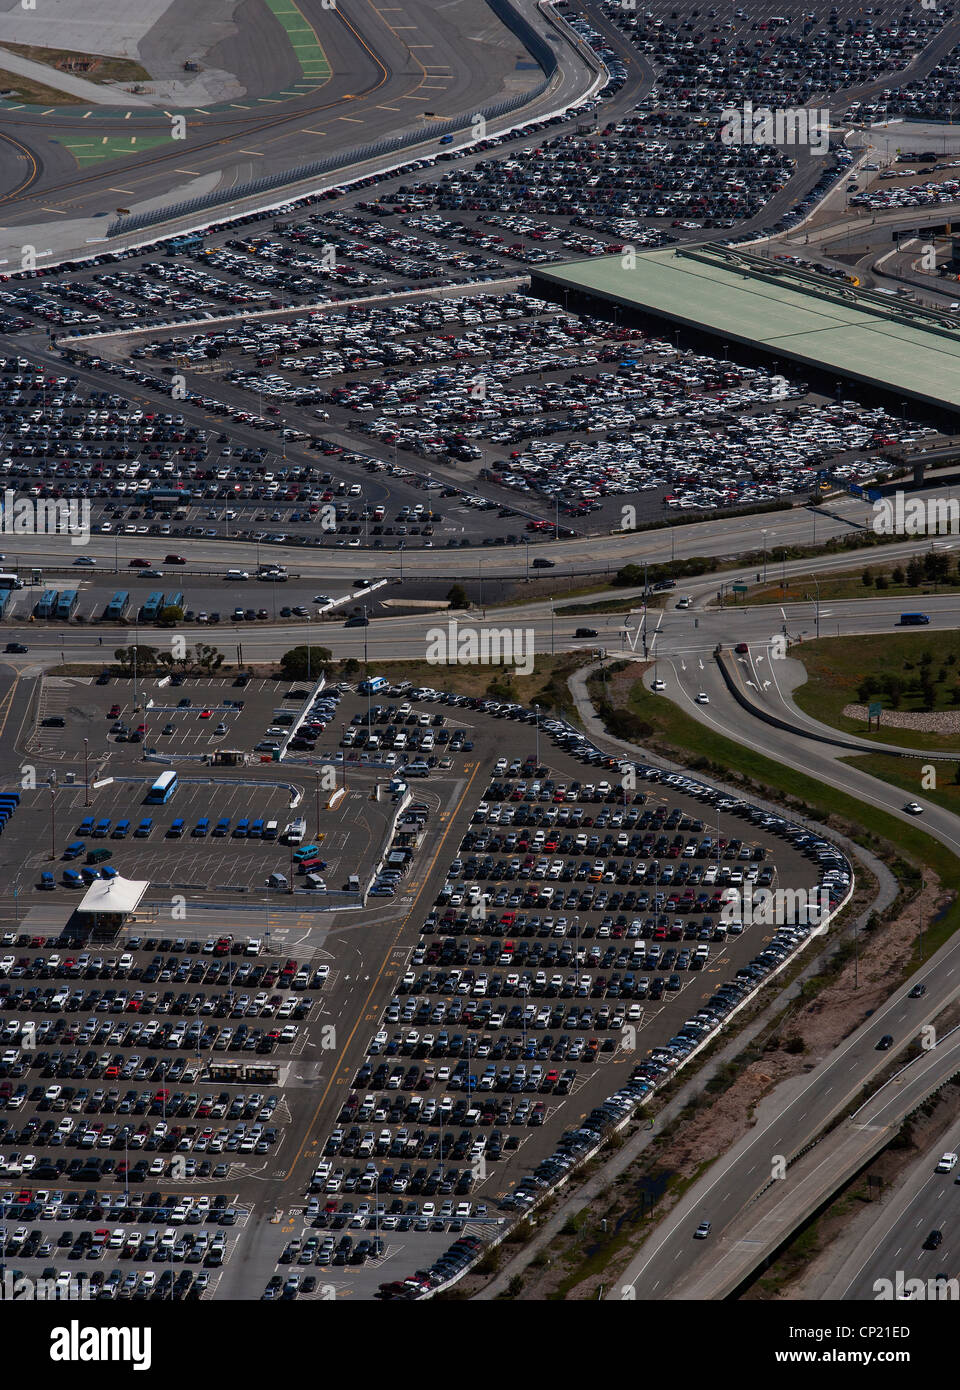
x=947 y=1163
x=913 y=808
x=703 y=698
x=659 y=685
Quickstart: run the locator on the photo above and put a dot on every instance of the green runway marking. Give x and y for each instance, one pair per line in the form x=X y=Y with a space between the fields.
x=303 y=40
x=107 y=147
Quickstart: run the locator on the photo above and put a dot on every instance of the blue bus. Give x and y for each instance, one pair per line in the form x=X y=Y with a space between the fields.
x=116 y=609
x=174 y=600
x=67 y=604
x=163 y=788
x=151 y=609
x=46 y=605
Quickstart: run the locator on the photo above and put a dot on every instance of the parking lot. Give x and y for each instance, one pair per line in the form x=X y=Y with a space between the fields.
x=554 y=970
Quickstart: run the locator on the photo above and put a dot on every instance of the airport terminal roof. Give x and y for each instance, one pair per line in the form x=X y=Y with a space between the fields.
x=794 y=314
x=113 y=895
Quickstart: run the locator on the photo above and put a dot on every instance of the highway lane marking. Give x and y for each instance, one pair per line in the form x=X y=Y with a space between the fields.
x=306 y=131
x=388 y=108
x=119 y=190
x=59 y=211
x=354 y=120
x=187 y=171
x=257 y=153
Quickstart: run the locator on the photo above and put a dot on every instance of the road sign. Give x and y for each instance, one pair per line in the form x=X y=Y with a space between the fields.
x=875 y=709
x=739 y=588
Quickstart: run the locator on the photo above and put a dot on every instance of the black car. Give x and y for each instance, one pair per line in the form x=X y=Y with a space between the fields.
x=586 y=632
x=17 y=647
x=54 y=721
x=917 y=992
x=933 y=1240
x=885 y=1043
x=357 y=622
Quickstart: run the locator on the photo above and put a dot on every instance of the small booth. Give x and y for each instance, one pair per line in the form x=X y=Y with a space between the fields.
x=106 y=906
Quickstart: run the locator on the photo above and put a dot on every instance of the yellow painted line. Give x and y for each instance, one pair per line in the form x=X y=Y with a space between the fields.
x=57 y=210
x=305 y=131
x=388 y=108
x=119 y=190
x=258 y=153
x=186 y=171
x=354 y=120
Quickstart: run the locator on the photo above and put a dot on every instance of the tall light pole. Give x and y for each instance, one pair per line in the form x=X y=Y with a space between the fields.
x=817 y=583
x=536 y=710
x=764 y=535
x=86 y=779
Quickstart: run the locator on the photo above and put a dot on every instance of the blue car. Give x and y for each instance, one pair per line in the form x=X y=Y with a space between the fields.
x=47 y=880
x=89 y=875
x=241 y=828
x=86 y=826
x=201 y=827
x=222 y=826
x=108 y=871
x=72 y=879
x=74 y=850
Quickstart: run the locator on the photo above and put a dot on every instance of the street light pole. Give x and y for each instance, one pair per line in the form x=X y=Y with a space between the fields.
x=86 y=779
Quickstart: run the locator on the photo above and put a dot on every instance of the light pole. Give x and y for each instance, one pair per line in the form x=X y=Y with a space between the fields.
x=817 y=583
x=86 y=779
x=536 y=710
x=764 y=535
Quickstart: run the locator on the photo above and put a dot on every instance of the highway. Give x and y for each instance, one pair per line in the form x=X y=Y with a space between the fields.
x=923 y=1201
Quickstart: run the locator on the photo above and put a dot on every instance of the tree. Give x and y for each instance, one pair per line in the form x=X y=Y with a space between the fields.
x=457 y=597
x=170 y=616
x=897 y=575
x=207 y=658
x=146 y=659
x=867 y=577
x=295 y=663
